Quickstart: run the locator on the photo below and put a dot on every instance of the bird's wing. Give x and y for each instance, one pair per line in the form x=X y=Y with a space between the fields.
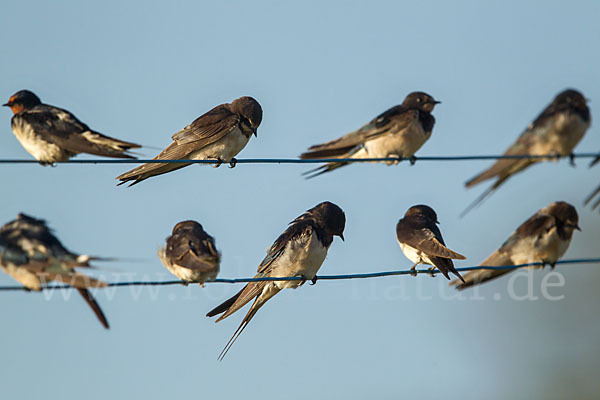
x=393 y=120
x=208 y=128
x=426 y=240
x=62 y=128
x=191 y=251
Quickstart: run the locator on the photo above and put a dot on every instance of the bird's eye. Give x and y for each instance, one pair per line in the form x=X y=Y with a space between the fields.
x=418 y=99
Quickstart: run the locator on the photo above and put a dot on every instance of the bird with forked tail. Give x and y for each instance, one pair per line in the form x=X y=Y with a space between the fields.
x=33 y=256
x=298 y=252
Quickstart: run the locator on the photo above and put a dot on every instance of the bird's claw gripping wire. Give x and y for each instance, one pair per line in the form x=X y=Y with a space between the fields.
x=218 y=163
x=431 y=272
x=572 y=160
x=412 y=160
x=233 y=162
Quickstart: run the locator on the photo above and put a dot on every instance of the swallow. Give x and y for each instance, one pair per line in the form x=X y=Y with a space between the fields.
x=421 y=241
x=298 y=252
x=397 y=133
x=33 y=256
x=555 y=132
x=543 y=238
x=190 y=253
x=220 y=134
x=51 y=134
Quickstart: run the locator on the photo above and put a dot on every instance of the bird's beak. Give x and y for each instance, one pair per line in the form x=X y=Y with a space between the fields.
x=577 y=227
x=342 y=237
x=254 y=133
x=437 y=102
x=6 y=105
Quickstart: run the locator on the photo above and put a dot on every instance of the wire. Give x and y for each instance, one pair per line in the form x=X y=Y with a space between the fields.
x=309 y=161
x=318 y=278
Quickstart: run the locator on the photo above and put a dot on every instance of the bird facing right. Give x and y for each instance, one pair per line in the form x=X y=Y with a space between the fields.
x=421 y=241
x=220 y=134
x=298 y=252
x=544 y=238
x=555 y=133
x=397 y=133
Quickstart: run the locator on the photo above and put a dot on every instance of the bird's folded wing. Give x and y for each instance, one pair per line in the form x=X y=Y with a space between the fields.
x=208 y=128
x=392 y=119
x=426 y=241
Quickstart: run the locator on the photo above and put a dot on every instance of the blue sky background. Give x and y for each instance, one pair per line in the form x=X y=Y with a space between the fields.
x=141 y=70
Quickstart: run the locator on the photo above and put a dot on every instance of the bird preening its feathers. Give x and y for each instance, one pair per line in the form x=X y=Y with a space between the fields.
x=190 y=253
x=52 y=134
x=33 y=256
x=298 y=252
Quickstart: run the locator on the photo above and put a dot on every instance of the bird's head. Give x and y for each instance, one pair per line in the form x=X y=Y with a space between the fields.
x=423 y=210
x=420 y=101
x=250 y=110
x=330 y=217
x=22 y=100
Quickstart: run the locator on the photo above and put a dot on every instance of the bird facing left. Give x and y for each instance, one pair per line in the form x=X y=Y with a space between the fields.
x=51 y=134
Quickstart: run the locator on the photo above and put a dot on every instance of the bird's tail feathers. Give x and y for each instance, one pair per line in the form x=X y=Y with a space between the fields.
x=89 y=299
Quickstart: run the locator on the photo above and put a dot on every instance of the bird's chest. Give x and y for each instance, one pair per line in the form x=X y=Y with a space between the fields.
x=225 y=148
x=563 y=135
x=414 y=255
x=35 y=145
x=548 y=247
x=302 y=257
x=403 y=143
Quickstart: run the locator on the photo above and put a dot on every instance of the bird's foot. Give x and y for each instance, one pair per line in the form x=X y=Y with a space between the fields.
x=572 y=160
x=412 y=160
x=185 y=283
x=233 y=163
x=431 y=272
x=413 y=270
x=313 y=281
x=218 y=163
x=397 y=158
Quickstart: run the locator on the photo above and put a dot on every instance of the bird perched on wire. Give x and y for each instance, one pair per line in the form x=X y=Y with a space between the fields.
x=544 y=238
x=397 y=133
x=32 y=255
x=421 y=241
x=220 y=134
x=190 y=253
x=298 y=252
x=555 y=132
x=51 y=134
